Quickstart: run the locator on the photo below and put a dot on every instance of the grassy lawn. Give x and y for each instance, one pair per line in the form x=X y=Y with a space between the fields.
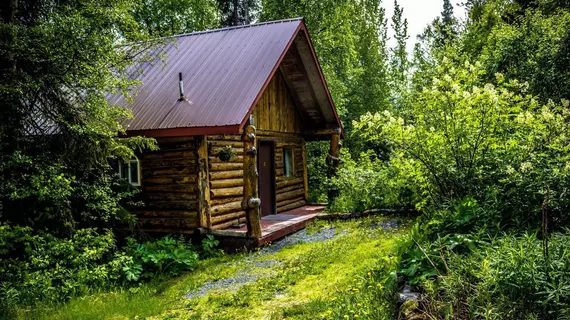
x=346 y=275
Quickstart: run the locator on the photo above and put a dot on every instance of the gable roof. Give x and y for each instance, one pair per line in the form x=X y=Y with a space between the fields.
x=224 y=73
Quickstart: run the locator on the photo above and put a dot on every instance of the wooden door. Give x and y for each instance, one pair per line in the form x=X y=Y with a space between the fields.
x=266 y=169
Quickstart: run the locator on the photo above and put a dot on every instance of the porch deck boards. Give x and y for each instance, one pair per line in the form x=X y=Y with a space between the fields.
x=273 y=227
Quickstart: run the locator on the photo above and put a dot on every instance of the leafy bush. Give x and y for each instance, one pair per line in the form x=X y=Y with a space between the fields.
x=45 y=268
x=510 y=278
x=492 y=143
x=165 y=256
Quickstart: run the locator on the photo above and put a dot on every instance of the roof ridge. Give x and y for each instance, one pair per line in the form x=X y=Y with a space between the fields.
x=235 y=27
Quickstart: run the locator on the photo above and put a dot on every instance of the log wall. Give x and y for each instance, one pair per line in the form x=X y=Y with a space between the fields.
x=226 y=182
x=169 y=186
x=290 y=191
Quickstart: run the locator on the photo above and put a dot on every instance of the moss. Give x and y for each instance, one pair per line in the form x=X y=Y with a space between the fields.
x=307 y=280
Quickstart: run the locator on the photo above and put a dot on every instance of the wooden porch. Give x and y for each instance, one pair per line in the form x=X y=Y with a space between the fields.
x=273 y=227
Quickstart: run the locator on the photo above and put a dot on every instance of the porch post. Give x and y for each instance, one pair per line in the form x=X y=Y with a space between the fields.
x=251 y=201
x=203 y=184
x=333 y=161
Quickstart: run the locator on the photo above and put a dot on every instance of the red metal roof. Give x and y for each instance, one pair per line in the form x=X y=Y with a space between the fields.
x=224 y=72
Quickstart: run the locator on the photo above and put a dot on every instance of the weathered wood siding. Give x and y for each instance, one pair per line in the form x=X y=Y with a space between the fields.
x=290 y=191
x=169 y=186
x=226 y=182
x=275 y=111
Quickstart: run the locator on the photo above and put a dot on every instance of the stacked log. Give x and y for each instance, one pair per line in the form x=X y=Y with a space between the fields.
x=226 y=182
x=169 y=186
x=290 y=191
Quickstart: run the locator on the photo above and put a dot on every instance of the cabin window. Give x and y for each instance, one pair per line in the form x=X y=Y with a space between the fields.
x=288 y=163
x=130 y=171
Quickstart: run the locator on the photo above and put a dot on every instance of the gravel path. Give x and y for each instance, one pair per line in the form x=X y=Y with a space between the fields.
x=245 y=275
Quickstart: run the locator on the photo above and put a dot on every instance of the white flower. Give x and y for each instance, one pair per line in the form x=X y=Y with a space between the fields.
x=526 y=166
x=510 y=170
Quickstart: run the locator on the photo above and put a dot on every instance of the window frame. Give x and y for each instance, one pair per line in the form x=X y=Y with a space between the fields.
x=128 y=175
x=291 y=150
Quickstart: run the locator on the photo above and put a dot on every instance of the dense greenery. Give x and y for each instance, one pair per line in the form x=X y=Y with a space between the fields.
x=470 y=130
x=478 y=144
x=43 y=268
x=347 y=276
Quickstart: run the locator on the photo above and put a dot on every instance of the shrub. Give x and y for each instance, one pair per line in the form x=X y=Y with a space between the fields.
x=510 y=278
x=165 y=256
x=45 y=268
x=495 y=144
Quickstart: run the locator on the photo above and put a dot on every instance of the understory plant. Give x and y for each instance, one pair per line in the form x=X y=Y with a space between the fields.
x=511 y=277
x=42 y=268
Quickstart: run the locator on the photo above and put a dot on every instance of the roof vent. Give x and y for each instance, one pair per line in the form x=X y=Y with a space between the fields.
x=181 y=87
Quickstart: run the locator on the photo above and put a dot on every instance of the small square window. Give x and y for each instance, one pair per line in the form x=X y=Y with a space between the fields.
x=288 y=163
x=130 y=171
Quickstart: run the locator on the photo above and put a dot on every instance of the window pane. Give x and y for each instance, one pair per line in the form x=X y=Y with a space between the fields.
x=134 y=171
x=288 y=162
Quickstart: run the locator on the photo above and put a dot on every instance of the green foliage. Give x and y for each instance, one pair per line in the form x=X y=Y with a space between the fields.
x=480 y=140
x=166 y=256
x=534 y=49
x=510 y=278
x=42 y=267
x=317 y=171
x=57 y=131
x=160 y=18
x=226 y=153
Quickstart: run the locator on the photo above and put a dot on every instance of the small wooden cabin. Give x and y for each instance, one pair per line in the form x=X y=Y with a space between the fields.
x=231 y=111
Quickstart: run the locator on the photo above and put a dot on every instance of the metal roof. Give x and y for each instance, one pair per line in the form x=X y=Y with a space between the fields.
x=224 y=72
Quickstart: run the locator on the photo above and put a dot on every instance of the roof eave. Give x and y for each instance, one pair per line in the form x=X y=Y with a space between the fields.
x=188 y=131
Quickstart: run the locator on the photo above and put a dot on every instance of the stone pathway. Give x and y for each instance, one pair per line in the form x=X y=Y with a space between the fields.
x=245 y=275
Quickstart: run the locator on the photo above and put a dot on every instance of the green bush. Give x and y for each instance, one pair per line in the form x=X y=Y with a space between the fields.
x=510 y=278
x=165 y=256
x=44 y=268
x=495 y=144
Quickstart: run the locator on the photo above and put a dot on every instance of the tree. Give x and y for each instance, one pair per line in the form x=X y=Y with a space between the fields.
x=399 y=57
x=57 y=131
x=349 y=37
x=160 y=18
x=237 y=12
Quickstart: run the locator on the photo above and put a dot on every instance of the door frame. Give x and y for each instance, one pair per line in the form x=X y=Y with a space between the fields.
x=273 y=170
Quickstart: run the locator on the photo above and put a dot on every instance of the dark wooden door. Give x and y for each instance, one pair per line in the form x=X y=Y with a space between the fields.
x=266 y=169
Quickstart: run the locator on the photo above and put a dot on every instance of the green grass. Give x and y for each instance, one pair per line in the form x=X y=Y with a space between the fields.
x=346 y=277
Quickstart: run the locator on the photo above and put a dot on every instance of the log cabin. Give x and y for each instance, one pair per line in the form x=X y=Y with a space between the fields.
x=231 y=110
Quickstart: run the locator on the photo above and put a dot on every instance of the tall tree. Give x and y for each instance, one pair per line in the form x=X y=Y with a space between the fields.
x=238 y=12
x=160 y=18
x=399 y=56
x=445 y=26
x=57 y=131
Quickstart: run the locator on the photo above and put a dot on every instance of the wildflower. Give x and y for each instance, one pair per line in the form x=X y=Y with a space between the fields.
x=526 y=166
x=510 y=170
x=346 y=316
x=356 y=316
